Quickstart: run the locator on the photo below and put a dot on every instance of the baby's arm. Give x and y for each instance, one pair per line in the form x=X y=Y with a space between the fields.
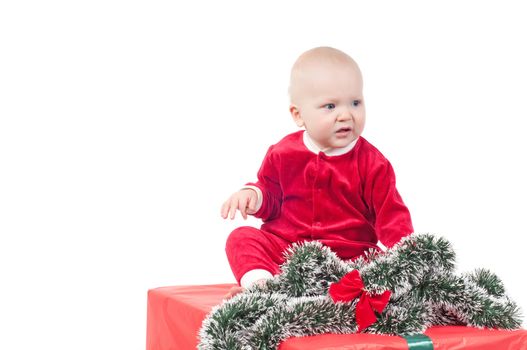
x=393 y=220
x=263 y=198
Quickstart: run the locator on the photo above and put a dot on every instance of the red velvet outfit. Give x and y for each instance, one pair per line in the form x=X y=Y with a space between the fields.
x=348 y=202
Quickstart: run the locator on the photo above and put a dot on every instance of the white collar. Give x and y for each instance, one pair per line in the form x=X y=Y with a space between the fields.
x=310 y=145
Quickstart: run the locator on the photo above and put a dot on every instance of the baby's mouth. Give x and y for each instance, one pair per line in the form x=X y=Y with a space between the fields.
x=344 y=130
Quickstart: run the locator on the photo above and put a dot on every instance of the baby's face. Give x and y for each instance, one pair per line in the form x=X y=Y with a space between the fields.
x=330 y=105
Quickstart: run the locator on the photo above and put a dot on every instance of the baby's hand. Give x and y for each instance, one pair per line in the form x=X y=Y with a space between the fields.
x=243 y=200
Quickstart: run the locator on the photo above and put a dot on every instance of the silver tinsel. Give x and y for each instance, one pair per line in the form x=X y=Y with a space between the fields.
x=419 y=271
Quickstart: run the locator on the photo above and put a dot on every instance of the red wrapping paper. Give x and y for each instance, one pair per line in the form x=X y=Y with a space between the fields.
x=174 y=316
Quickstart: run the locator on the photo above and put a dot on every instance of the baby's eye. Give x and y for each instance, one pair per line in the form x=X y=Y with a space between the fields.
x=329 y=106
x=356 y=102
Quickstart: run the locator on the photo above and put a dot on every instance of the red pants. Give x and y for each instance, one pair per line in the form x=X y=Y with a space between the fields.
x=249 y=248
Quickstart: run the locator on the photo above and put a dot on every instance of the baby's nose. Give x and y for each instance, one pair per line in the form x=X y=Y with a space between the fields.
x=345 y=115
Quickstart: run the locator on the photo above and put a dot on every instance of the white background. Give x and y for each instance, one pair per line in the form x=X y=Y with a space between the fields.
x=125 y=125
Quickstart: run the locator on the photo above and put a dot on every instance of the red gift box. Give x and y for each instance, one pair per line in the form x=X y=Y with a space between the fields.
x=175 y=314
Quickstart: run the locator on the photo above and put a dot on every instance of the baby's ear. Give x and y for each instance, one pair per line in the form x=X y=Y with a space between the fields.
x=295 y=113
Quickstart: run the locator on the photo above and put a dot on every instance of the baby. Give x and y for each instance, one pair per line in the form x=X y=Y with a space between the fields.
x=324 y=183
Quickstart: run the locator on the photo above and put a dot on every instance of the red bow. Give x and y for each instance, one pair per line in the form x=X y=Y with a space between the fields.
x=351 y=286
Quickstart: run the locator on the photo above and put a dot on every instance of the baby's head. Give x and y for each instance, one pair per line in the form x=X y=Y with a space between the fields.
x=326 y=97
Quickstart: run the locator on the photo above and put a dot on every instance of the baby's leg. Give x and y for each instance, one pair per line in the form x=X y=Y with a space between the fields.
x=254 y=252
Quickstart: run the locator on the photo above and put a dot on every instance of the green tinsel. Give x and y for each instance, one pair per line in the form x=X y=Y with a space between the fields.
x=419 y=271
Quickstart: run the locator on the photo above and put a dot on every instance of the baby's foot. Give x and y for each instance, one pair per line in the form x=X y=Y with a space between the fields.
x=233 y=291
x=238 y=289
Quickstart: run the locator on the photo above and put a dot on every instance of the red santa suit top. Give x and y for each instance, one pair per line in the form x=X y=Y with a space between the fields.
x=348 y=201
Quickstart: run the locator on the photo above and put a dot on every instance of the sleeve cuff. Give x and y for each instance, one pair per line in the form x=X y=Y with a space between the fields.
x=258 y=193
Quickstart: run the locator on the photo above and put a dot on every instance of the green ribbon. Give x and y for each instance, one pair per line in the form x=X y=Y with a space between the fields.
x=419 y=342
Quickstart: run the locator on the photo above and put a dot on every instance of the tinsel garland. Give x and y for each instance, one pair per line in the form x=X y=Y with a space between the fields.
x=418 y=272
